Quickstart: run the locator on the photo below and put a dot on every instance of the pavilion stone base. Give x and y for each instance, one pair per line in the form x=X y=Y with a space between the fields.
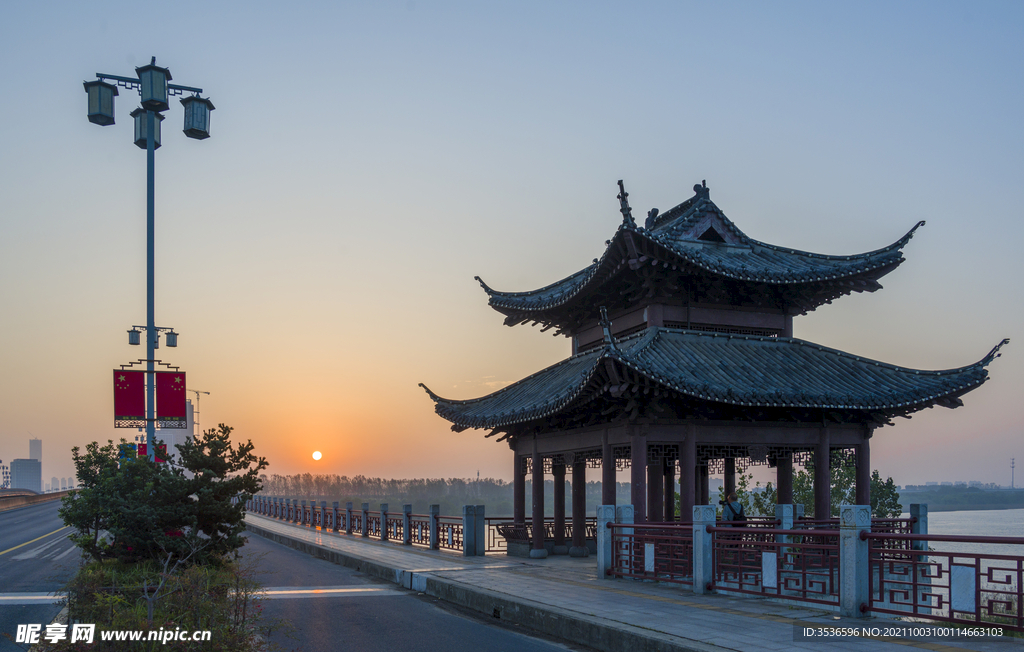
x=522 y=549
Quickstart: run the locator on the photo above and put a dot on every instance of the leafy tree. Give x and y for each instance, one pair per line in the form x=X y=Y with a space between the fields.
x=222 y=472
x=87 y=508
x=885 y=499
x=129 y=508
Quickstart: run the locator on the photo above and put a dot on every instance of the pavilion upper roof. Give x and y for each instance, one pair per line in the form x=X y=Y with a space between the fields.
x=716 y=374
x=697 y=238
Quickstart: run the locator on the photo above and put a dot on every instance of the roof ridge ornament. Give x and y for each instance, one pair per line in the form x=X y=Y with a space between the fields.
x=627 y=212
x=701 y=189
x=994 y=353
x=606 y=326
x=652 y=219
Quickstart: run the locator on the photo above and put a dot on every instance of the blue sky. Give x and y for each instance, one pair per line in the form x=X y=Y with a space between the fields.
x=317 y=253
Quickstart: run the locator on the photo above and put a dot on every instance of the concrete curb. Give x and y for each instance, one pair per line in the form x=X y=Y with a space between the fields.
x=553 y=621
x=14 y=502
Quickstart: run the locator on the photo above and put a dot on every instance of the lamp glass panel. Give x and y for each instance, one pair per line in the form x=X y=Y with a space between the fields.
x=154 y=88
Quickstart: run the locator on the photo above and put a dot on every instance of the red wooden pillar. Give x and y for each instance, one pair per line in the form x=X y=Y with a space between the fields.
x=655 y=490
x=607 y=473
x=863 y=473
x=670 y=489
x=822 y=477
x=730 y=475
x=784 y=479
x=638 y=475
x=538 y=551
x=579 y=510
x=688 y=475
x=519 y=491
x=703 y=485
x=558 y=471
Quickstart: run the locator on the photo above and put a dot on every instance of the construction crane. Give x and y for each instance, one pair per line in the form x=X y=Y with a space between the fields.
x=195 y=412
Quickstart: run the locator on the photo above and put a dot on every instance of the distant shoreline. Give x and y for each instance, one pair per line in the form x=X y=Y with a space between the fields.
x=939 y=507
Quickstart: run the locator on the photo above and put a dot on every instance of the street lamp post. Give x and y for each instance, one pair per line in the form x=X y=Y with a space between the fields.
x=155 y=91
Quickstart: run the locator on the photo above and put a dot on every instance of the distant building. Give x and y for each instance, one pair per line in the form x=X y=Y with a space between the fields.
x=35 y=449
x=27 y=474
x=946 y=484
x=931 y=484
x=71 y=483
x=54 y=483
x=63 y=484
x=5 y=476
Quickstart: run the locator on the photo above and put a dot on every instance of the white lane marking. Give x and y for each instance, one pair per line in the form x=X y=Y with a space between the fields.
x=282 y=592
x=32 y=553
x=22 y=545
x=28 y=598
x=66 y=553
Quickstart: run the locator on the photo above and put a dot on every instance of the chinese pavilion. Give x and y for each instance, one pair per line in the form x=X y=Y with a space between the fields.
x=684 y=361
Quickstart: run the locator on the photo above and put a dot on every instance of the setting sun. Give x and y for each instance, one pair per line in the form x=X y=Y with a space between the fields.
x=317 y=455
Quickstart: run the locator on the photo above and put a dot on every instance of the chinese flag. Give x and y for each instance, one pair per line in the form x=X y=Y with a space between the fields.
x=170 y=396
x=129 y=395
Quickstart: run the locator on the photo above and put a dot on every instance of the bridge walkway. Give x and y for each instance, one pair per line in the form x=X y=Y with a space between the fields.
x=562 y=596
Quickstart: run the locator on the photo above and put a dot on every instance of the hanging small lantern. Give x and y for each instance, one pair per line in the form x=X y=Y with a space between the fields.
x=172 y=339
x=197 y=116
x=101 y=102
x=140 y=128
x=134 y=337
x=153 y=80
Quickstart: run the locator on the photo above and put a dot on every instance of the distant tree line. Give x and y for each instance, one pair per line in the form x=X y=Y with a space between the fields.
x=946 y=498
x=450 y=493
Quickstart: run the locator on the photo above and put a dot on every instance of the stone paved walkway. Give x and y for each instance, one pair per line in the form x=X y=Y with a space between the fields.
x=562 y=596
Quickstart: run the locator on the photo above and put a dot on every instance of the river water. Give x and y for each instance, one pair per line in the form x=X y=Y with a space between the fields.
x=985 y=523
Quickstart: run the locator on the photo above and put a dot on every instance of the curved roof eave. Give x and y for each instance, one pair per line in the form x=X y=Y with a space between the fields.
x=971 y=377
x=563 y=291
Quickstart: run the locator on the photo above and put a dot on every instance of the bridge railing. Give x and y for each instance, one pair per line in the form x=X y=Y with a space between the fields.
x=652 y=552
x=786 y=564
x=935 y=581
x=429 y=530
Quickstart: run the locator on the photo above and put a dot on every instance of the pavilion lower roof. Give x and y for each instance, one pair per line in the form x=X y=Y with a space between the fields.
x=727 y=371
x=807 y=279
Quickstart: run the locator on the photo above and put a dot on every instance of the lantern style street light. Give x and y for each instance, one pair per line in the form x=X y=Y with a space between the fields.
x=155 y=89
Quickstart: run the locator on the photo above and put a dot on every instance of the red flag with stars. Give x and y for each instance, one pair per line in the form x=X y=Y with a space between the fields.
x=170 y=398
x=129 y=395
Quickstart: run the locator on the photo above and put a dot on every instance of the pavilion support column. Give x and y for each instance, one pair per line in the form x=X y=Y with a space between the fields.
x=864 y=472
x=730 y=475
x=688 y=475
x=670 y=489
x=558 y=471
x=784 y=480
x=538 y=551
x=579 y=510
x=822 y=477
x=655 y=491
x=607 y=473
x=703 y=485
x=519 y=491
x=638 y=474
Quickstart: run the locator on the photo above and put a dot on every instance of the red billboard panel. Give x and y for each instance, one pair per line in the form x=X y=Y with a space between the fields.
x=170 y=399
x=129 y=397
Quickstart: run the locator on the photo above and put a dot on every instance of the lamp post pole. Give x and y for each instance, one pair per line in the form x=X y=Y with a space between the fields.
x=155 y=91
x=151 y=332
